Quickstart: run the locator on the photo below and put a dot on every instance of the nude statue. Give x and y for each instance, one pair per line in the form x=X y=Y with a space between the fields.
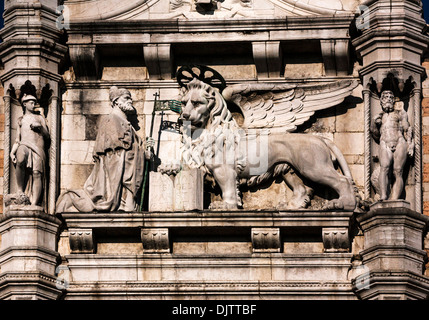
x=28 y=152
x=394 y=133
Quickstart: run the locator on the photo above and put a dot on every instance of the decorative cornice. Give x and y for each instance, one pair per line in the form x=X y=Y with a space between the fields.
x=28 y=213
x=230 y=25
x=385 y=66
x=187 y=287
x=272 y=218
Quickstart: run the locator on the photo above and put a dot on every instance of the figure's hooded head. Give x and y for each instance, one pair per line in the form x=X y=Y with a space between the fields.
x=121 y=97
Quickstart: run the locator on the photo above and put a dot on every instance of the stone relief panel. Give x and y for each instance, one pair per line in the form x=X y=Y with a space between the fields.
x=207 y=9
x=84 y=109
x=264 y=146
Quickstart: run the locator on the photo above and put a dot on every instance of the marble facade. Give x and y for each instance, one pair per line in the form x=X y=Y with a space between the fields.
x=177 y=246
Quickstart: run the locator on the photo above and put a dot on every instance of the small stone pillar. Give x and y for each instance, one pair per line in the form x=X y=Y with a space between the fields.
x=393 y=254
x=28 y=256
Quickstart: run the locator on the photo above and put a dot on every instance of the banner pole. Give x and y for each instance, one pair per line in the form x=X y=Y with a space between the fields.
x=146 y=167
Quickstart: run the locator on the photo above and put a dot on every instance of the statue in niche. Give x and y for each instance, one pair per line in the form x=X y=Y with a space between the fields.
x=119 y=157
x=263 y=146
x=29 y=156
x=393 y=132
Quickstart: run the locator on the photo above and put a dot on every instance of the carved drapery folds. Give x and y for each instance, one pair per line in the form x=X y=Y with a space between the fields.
x=119 y=163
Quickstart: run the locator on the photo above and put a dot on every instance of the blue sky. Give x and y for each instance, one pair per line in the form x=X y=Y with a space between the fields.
x=426 y=9
x=1 y=10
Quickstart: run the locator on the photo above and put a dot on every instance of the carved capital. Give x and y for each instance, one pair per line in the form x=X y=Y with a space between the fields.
x=155 y=240
x=266 y=239
x=81 y=241
x=336 y=239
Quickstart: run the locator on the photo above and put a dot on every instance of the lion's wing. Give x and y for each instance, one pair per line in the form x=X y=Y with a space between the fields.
x=285 y=106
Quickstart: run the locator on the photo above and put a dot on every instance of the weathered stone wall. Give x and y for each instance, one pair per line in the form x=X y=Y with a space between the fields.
x=425 y=139
x=209 y=250
x=83 y=107
x=2 y=155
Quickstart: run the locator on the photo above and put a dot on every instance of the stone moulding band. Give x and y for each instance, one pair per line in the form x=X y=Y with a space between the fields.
x=304 y=218
x=265 y=229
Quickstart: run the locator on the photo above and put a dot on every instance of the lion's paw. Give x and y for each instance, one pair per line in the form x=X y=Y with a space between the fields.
x=294 y=204
x=221 y=205
x=333 y=205
x=283 y=205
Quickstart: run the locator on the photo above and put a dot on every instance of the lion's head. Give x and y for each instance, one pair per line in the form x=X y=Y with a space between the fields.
x=203 y=106
x=205 y=113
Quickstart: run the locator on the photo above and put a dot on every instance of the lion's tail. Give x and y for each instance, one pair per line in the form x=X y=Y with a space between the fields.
x=339 y=157
x=279 y=169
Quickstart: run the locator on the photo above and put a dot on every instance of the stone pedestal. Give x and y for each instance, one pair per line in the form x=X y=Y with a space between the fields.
x=393 y=254
x=28 y=256
x=207 y=254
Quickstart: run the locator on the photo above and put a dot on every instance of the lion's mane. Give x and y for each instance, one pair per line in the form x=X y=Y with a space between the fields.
x=220 y=133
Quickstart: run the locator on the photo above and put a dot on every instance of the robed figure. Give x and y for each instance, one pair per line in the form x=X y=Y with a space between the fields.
x=119 y=158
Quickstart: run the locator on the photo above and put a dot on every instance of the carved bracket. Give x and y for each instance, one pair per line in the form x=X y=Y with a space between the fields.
x=268 y=58
x=158 y=61
x=336 y=239
x=155 y=240
x=336 y=56
x=86 y=61
x=81 y=241
x=266 y=239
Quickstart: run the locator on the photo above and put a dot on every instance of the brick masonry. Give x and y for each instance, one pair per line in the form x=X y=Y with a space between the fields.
x=425 y=139
x=425 y=147
x=1 y=150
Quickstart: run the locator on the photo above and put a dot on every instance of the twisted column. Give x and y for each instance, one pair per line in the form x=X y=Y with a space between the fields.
x=417 y=149
x=53 y=155
x=367 y=144
x=6 y=146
